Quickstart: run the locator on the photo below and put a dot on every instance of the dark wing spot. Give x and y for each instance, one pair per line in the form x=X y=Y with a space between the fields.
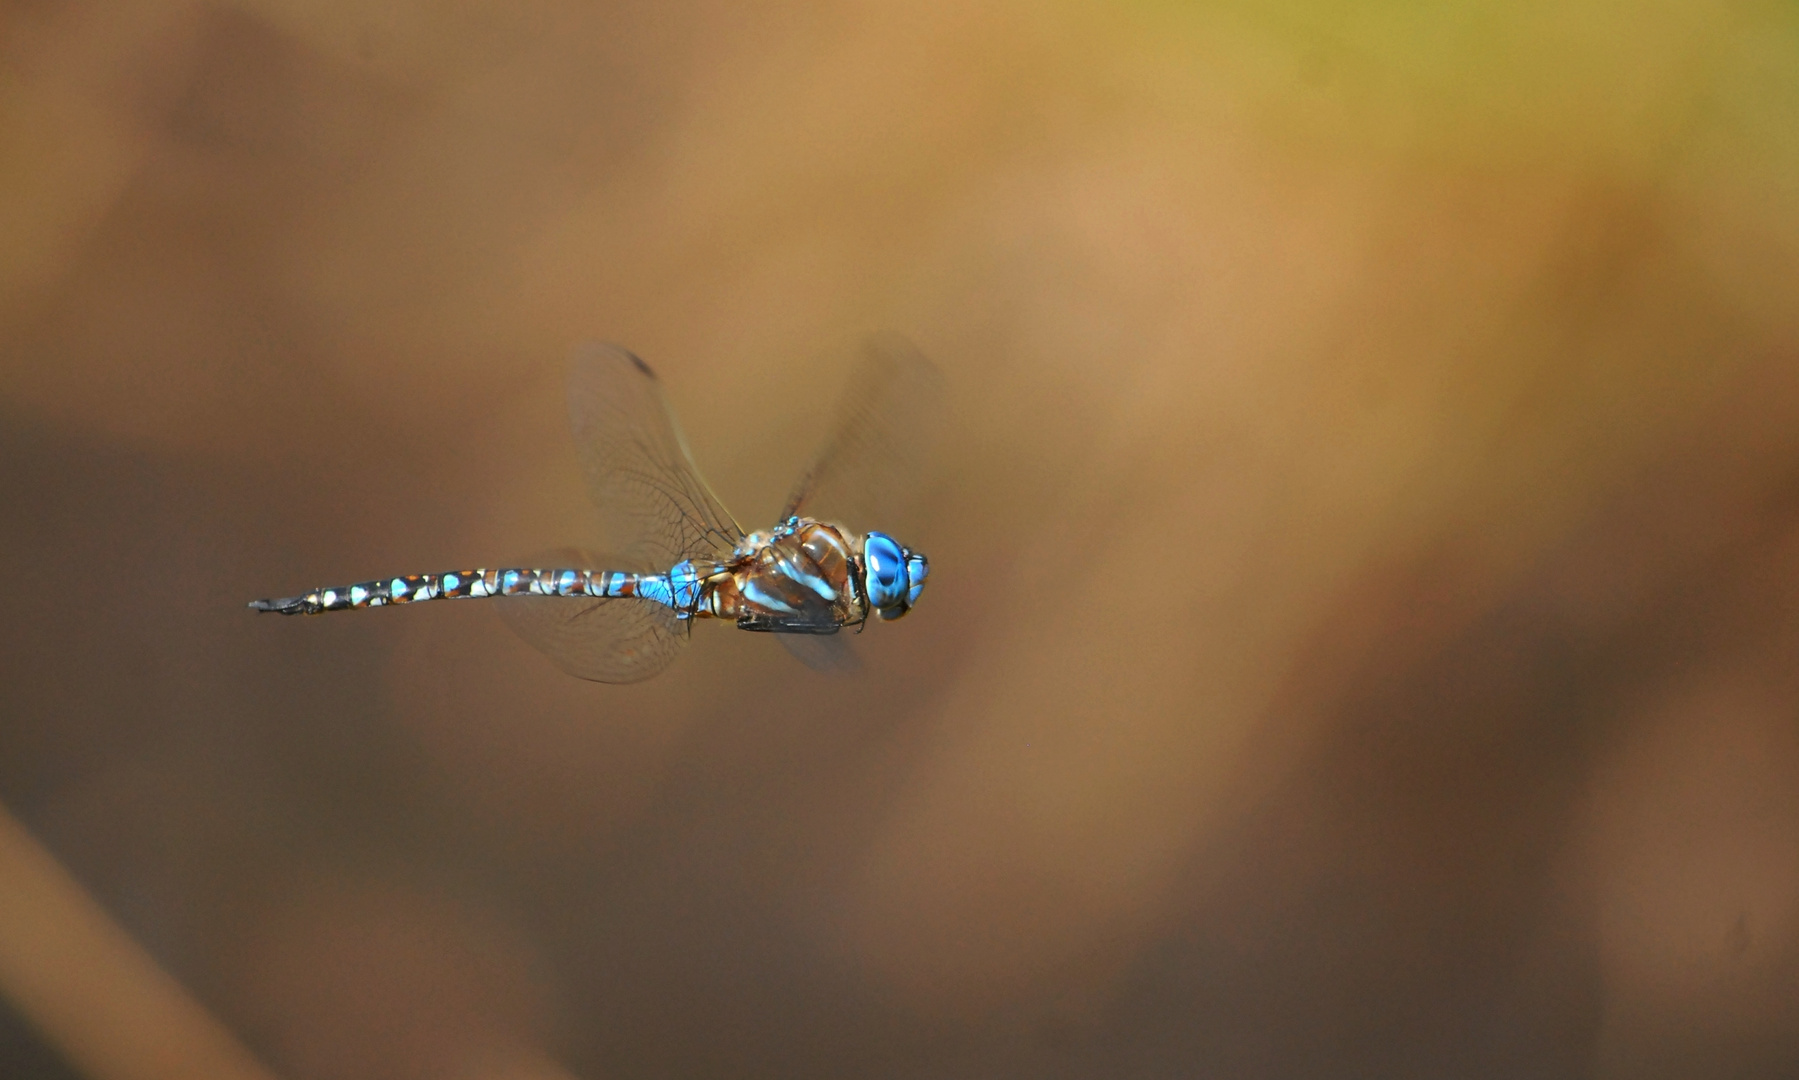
x=638 y=360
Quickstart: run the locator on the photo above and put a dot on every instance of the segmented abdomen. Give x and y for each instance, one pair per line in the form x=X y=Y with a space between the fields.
x=458 y=584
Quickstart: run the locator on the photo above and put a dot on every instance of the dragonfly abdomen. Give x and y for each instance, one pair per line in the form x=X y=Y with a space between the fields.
x=677 y=589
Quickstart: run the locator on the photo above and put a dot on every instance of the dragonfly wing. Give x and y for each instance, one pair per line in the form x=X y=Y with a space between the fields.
x=829 y=653
x=653 y=501
x=868 y=471
x=603 y=639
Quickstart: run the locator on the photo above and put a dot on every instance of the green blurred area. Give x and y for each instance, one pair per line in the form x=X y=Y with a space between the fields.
x=1634 y=86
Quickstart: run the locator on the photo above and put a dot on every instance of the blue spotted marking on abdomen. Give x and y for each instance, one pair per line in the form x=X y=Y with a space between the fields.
x=680 y=589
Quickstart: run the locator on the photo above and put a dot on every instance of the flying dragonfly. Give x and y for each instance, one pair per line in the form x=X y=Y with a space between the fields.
x=624 y=617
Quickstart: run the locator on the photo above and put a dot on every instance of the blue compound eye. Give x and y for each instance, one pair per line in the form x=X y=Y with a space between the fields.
x=885 y=563
x=917 y=569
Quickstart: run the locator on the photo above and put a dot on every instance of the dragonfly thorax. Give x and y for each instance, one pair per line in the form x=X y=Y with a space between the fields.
x=807 y=576
x=799 y=577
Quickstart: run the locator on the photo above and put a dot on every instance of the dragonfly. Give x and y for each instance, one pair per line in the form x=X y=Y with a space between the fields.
x=680 y=556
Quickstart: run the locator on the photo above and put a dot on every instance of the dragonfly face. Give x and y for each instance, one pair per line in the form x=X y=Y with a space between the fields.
x=895 y=575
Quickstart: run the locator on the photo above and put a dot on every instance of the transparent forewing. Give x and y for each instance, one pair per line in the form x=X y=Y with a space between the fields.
x=603 y=639
x=654 y=504
x=871 y=467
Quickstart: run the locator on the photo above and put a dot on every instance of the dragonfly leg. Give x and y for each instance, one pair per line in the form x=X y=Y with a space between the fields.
x=768 y=625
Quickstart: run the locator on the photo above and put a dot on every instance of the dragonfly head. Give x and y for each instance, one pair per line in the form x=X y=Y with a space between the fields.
x=894 y=575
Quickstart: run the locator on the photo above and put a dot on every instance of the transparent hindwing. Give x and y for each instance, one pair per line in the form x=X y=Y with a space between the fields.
x=604 y=639
x=654 y=504
x=656 y=510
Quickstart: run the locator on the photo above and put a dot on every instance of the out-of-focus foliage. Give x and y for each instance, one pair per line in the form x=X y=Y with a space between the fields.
x=1364 y=554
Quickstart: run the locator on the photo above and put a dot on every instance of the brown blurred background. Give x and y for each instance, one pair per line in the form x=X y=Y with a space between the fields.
x=1362 y=631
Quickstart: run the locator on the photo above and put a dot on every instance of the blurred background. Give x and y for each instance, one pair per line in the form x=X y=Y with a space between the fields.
x=1365 y=545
